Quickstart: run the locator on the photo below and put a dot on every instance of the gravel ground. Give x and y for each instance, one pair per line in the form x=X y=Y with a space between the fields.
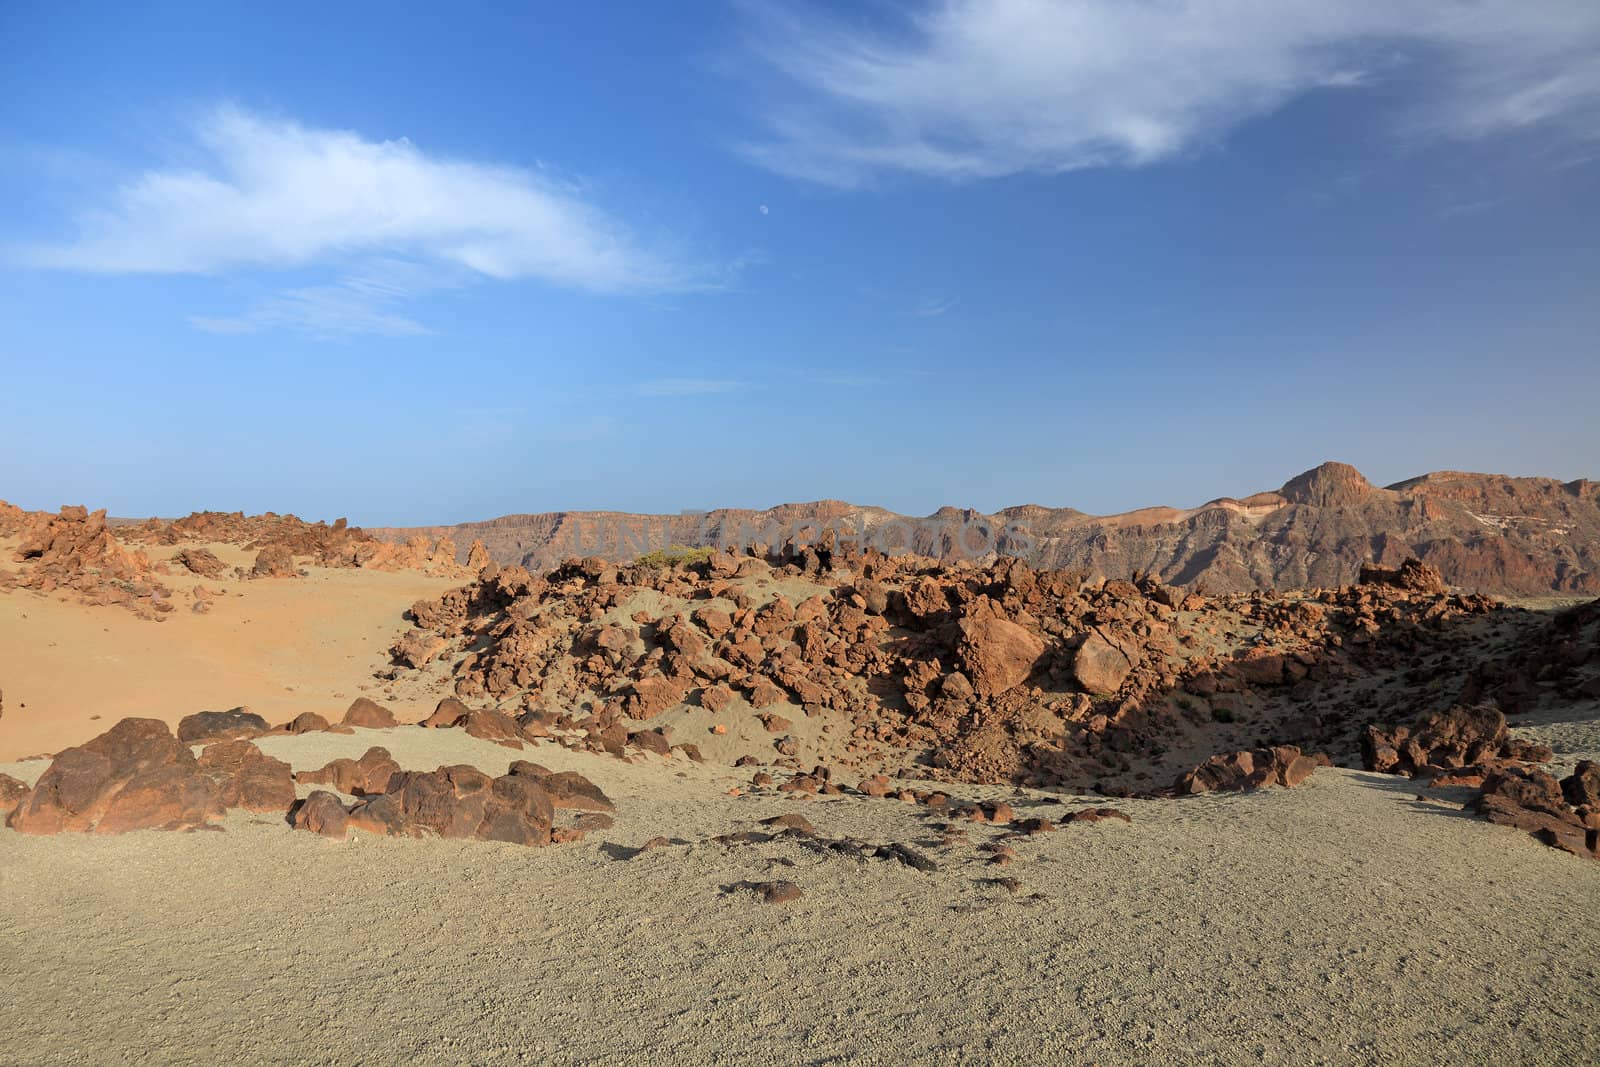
x=1345 y=921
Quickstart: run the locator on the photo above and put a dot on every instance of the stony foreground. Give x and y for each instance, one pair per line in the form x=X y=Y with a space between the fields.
x=1343 y=921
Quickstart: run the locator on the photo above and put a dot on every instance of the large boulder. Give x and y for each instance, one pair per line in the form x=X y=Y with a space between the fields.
x=1284 y=766
x=274 y=561
x=1461 y=736
x=204 y=727
x=447 y=713
x=459 y=801
x=1413 y=576
x=369 y=774
x=1531 y=800
x=1099 y=666
x=567 y=789
x=321 y=813
x=248 y=778
x=370 y=714
x=135 y=776
x=997 y=654
x=201 y=561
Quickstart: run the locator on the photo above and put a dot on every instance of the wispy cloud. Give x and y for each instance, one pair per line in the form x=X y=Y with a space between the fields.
x=689 y=386
x=363 y=303
x=269 y=193
x=965 y=89
x=933 y=307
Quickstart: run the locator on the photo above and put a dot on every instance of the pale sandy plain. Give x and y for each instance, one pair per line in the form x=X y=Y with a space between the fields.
x=1345 y=921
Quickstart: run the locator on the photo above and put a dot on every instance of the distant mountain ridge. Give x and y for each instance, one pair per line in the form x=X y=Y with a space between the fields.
x=1484 y=532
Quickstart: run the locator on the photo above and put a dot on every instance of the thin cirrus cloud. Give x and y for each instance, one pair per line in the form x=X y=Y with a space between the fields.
x=968 y=89
x=689 y=386
x=274 y=194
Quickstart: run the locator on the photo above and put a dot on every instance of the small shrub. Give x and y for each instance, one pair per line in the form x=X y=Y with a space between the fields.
x=674 y=555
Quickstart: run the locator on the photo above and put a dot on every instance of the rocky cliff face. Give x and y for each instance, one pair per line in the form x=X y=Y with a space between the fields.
x=1484 y=532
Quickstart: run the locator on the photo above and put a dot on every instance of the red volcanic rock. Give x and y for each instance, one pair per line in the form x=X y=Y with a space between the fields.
x=715 y=697
x=447 y=713
x=568 y=789
x=12 y=790
x=714 y=621
x=248 y=778
x=651 y=741
x=206 y=726
x=201 y=561
x=1284 y=766
x=1099 y=666
x=1531 y=800
x=135 y=776
x=1582 y=787
x=370 y=714
x=1098 y=815
x=996 y=654
x=274 y=561
x=306 y=722
x=876 y=786
x=1413 y=576
x=490 y=725
x=654 y=694
x=1448 y=740
x=321 y=813
x=460 y=801
x=418 y=648
x=369 y=774
x=781 y=892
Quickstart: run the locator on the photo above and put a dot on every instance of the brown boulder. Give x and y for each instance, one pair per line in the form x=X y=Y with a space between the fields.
x=447 y=713
x=489 y=725
x=370 y=714
x=1413 y=576
x=654 y=694
x=321 y=813
x=1284 y=766
x=571 y=790
x=1099 y=666
x=12 y=790
x=248 y=778
x=458 y=802
x=368 y=775
x=274 y=561
x=201 y=561
x=1582 y=787
x=206 y=726
x=996 y=654
x=306 y=722
x=418 y=648
x=135 y=776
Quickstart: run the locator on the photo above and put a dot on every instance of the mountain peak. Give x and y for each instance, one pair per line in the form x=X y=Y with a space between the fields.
x=1328 y=485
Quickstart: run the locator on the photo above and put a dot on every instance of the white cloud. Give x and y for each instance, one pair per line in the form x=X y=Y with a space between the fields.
x=272 y=193
x=688 y=386
x=965 y=89
x=932 y=307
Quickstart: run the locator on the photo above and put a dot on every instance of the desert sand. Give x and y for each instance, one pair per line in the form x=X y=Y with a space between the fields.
x=283 y=646
x=1344 y=921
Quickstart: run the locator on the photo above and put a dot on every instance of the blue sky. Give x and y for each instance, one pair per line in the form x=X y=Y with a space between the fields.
x=359 y=260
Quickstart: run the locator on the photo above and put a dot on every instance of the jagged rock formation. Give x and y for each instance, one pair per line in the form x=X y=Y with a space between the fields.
x=82 y=554
x=1482 y=532
x=994 y=673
